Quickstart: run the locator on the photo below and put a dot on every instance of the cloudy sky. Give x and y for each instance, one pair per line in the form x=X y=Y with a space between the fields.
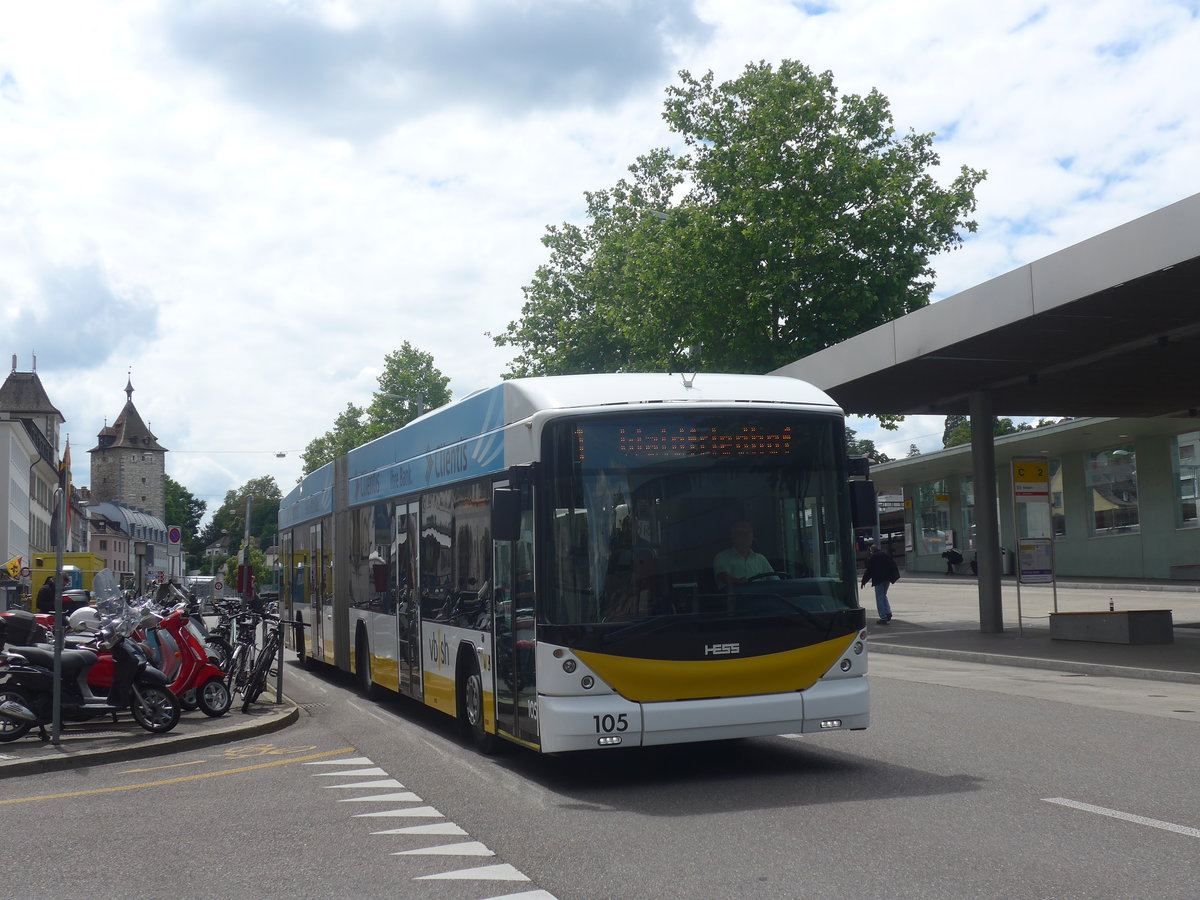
x=246 y=204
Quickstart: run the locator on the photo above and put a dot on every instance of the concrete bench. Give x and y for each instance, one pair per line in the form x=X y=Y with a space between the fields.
x=1124 y=626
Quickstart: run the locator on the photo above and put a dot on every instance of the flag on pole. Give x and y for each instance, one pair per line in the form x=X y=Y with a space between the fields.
x=64 y=481
x=13 y=567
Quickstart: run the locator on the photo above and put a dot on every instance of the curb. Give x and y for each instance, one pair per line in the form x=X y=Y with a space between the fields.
x=1181 y=587
x=56 y=760
x=1030 y=662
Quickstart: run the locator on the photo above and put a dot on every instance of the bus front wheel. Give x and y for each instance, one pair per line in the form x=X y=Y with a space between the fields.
x=471 y=713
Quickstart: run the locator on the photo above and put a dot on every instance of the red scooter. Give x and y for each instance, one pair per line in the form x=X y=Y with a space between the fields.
x=185 y=661
x=174 y=648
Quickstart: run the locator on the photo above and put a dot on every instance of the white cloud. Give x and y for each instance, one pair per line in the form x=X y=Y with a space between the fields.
x=250 y=203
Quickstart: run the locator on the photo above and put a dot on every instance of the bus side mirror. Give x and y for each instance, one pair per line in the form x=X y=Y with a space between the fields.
x=863 y=505
x=506 y=514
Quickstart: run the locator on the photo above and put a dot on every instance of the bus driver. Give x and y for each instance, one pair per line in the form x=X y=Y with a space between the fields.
x=736 y=564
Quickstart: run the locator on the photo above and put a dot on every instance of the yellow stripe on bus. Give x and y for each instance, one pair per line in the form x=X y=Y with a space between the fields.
x=440 y=694
x=648 y=680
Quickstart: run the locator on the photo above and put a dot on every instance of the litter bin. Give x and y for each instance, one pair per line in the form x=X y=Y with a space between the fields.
x=1006 y=561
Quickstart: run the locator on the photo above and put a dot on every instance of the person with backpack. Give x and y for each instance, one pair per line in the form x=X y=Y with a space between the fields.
x=882 y=572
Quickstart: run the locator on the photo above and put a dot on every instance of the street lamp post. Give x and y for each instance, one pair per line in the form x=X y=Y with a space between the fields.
x=420 y=401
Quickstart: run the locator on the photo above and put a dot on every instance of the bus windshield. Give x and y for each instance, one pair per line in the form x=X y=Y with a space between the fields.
x=720 y=513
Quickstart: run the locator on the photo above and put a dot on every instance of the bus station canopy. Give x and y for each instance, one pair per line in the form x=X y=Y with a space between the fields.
x=1108 y=327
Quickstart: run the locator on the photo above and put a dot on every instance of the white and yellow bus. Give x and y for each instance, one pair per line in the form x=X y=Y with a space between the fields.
x=537 y=560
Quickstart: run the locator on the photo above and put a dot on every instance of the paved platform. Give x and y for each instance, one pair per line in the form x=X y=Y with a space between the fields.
x=938 y=616
x=100 y=741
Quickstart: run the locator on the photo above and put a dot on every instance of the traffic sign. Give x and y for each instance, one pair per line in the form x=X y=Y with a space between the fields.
x=174 y=534
x=218 y=585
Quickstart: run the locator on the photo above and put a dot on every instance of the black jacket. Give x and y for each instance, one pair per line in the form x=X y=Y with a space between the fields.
x=880 y=569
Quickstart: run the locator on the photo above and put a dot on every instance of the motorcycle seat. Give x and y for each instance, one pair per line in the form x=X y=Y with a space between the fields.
x=73 y=661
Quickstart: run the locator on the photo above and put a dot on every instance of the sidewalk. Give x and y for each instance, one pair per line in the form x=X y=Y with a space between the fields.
x=938 y=616
x=100 y=741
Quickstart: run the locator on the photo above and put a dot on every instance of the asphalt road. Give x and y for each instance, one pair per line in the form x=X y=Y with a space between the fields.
x=973 y=781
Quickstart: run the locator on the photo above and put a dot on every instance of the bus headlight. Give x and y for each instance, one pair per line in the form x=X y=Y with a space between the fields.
x=588 y=682
x=858 y=647
x=568 y=666
x=846 y=665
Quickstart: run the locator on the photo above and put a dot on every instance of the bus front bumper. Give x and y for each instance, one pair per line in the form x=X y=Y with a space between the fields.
x=589 y=723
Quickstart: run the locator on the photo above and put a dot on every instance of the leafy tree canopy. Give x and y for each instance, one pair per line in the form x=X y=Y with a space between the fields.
x=960 y=431
x=796 y=217
x=863 y=447
x=408 y=385
x=184 y=510
x=230 y=518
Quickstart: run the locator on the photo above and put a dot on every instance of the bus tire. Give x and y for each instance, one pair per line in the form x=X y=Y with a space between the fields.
x=470 y=708
x=362 y=667
x=302 y=656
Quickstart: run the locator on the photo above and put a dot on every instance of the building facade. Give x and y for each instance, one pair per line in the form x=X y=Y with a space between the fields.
x=1119 y=499
x=29 y=456
x=128 y=464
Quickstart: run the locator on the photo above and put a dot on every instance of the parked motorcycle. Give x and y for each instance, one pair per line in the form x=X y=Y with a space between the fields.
x=27 y=679
x=195 y=678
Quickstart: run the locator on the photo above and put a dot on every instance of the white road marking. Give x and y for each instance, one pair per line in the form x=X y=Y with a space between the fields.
x=433 y=828
x=386 y=782
x=1124 y=816
x=427 y=812
x=499 y=872
x=464 y=848
x=401 y=797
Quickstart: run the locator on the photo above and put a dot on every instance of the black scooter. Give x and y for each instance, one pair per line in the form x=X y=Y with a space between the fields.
x=27 y=684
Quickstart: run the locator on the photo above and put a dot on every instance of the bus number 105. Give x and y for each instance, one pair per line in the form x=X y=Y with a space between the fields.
x=609 y=723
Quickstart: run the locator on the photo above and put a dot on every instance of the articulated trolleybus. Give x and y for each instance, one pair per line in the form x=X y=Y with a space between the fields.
x=540 y=560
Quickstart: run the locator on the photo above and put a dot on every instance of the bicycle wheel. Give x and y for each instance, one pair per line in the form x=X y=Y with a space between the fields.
x=257 y=683
x=239 y=665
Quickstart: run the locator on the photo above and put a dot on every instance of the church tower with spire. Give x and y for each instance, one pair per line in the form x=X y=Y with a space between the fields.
x=129 y=464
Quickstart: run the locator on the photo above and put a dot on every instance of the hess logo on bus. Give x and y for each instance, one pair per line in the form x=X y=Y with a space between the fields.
x=722 y=649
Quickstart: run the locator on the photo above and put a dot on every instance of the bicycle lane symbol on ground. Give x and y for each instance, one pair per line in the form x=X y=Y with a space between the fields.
x=420 y=827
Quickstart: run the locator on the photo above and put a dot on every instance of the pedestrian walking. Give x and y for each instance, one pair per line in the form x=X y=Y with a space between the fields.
x=45 y=596
x=882 y=572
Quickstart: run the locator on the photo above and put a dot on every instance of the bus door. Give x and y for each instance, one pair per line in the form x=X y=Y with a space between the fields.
x=316 y=590
x=408 y=600
x=516 y=687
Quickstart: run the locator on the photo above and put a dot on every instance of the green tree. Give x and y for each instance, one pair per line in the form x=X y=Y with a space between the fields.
x=230 y=518
x=408 y=385
x=184 y=510
x=961 y=432
x=951 y=430
x=863 y=447
x=258 y=562
x=795 y=218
